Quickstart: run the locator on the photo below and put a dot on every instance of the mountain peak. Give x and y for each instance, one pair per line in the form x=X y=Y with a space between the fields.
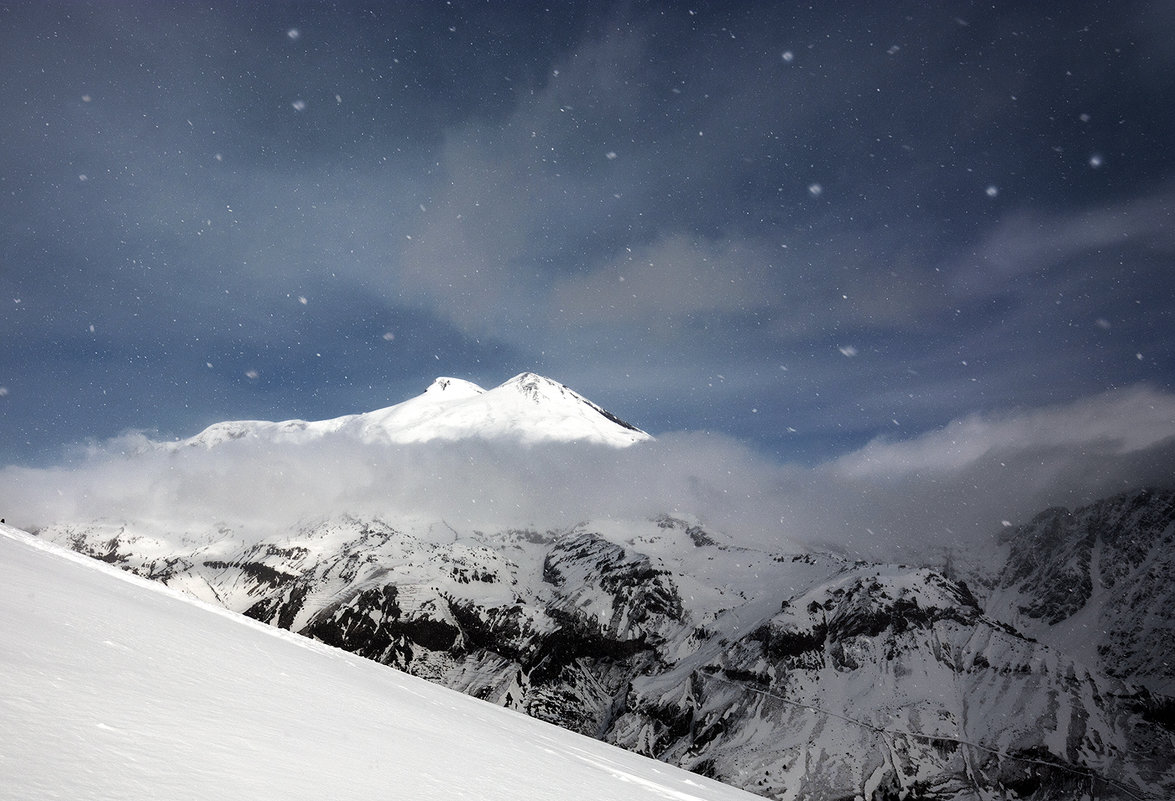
x=529 y=382
x=453 y=387
x=552 y=396
x=536 y=387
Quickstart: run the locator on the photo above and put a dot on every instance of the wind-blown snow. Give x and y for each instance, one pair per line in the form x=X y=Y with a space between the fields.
x=112 y=687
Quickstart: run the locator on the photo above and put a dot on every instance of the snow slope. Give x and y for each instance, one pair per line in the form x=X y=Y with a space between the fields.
x=113 y=687
x=528 y=408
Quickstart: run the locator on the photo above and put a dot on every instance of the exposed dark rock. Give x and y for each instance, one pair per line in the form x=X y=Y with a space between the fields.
x=781 y=643
x=263 y=573
x=575 y=638
x=361 y=625
x=1115 y=556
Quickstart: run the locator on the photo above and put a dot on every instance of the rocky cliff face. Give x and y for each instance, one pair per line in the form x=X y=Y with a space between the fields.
x=1096 y=581
x=791 y=675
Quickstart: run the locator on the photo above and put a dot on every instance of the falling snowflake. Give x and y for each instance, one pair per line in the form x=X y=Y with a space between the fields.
x=294 y=34
x=1095 y=160
x=251 y=374
x=299 y=105
x=815 y=190
x=992 y=190
x=788 y=56
x=848 y=350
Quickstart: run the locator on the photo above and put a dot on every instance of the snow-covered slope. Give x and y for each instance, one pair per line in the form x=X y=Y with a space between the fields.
x=112 y=687
x=528 y=408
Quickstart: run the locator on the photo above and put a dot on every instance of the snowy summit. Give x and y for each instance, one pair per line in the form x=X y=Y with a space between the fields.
x=528 y=408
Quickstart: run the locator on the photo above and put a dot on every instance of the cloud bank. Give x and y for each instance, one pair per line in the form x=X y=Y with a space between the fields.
x=905 y=500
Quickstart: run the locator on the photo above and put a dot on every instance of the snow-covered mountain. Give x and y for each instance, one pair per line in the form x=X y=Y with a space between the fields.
x=784 y=671
x=528 y=408
x=1097 y=582
x=112 y=687
x=791 y=675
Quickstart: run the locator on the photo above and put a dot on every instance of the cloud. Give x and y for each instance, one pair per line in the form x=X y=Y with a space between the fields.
x=518 y=199
x=1030 y=243
x=266 y=487
x=1112 y=424
x=664 y=284
x=954 y=486
x=621 y=173
x=903 y=500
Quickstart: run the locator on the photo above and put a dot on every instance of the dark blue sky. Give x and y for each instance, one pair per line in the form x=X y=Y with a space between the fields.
x=801 y=227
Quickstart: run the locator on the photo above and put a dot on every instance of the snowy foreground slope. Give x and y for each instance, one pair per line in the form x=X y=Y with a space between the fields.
x=112 y=687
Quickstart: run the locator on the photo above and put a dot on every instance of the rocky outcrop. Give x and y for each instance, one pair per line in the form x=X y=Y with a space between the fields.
x=1097 y=581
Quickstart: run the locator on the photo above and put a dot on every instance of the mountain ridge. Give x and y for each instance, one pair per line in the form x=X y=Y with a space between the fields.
x=784 y=674
x=1093 y=578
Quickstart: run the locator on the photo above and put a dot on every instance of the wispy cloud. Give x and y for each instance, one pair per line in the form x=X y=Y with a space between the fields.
x=1033 y=243
x=957 y=484
x=665 y=284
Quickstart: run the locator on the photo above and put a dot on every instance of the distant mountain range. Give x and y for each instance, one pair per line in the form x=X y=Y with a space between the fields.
x=1047 y=673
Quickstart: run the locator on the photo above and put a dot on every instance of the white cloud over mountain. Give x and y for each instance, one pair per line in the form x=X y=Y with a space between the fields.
x=898 y=499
